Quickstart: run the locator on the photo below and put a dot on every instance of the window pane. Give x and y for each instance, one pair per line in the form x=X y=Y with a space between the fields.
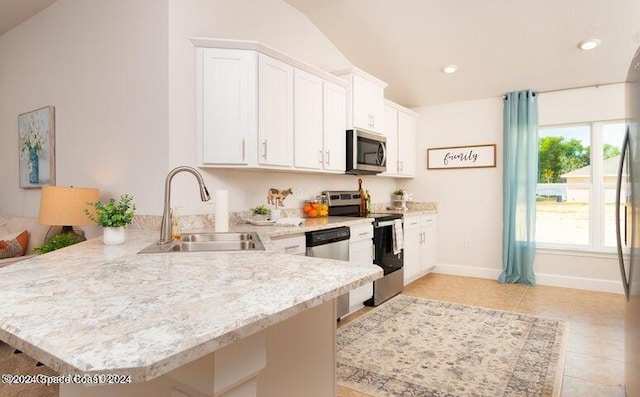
x=564 y=185
x=612 y=136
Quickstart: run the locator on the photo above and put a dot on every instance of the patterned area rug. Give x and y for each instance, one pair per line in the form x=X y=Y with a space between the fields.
x=417 y=347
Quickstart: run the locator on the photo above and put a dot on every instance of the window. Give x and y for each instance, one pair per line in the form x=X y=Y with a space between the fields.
x=577 y=175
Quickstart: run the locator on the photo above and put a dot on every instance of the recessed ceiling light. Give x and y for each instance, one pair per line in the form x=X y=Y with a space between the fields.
x=589 y=44
x=448 y=69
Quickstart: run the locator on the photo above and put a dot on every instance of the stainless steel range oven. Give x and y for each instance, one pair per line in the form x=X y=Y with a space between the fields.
x=388 y=255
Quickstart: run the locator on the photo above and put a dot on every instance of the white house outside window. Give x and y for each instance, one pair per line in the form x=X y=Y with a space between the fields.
x=575 y=195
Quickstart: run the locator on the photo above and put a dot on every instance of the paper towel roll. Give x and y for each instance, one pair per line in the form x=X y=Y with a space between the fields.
x=222 y=211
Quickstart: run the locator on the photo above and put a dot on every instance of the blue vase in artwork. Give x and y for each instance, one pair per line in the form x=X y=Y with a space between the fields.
x=34 y=174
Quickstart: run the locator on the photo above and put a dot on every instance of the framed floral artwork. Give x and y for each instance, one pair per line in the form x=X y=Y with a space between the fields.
x=36 y=137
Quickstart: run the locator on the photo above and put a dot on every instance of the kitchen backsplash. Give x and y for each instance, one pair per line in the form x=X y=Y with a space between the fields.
x=207 y=221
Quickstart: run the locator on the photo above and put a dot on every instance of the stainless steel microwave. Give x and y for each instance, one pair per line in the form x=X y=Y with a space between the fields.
x=366 y=153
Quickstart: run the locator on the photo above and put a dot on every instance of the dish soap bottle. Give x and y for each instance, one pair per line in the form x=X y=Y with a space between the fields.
x=368 y=201
x=175 y=223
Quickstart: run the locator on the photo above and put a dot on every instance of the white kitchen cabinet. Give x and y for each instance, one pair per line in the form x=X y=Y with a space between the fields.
x=307 y=120
x=406 y=144
x=419 y=246
x=261 y=109
x=365 y=100
x=430 y=227
x=275 y=110
x=228 y=113
x=319 y=124
x=361 y=250
x=292 y=244
x=390 y=131
x=412 y=248
x=400 y=131
x=334 y=133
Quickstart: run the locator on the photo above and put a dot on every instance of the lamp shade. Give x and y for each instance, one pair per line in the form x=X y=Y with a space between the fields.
x=64 y=206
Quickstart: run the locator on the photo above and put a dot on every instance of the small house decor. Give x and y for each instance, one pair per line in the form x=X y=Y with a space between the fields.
x=277 y=196
x=36 y=136
x=260 y=213
x=113 y=217
x=476 y=156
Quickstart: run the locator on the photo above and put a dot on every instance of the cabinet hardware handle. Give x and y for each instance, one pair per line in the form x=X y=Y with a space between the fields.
x=401 y=165
x=244 y=149
x=265 y=149
x=373 y=120
x=328 y=157
x=290 y=247
x=363 y=234
x=321 y=159
x=373 y=252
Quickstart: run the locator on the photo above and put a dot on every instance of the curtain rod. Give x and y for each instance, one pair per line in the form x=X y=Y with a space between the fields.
x=573 y=88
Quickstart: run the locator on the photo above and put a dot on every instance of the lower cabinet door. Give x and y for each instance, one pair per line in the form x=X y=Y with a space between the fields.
x=360 y=251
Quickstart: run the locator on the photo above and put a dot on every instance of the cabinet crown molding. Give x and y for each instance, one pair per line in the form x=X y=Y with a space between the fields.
x=359 y=72
x=399 y=107
x=208 y=42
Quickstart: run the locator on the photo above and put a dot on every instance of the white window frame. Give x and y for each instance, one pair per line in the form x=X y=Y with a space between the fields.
x=596 y=196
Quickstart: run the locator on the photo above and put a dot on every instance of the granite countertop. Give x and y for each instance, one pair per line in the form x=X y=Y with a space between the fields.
x=96 y=309
x=410 y=211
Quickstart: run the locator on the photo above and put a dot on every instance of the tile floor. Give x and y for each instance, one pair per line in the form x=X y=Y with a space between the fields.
x=594 y=363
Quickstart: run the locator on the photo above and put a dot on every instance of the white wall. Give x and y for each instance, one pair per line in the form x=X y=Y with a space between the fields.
x=103 y=66
x=274 y=23
x=470 y=200
x=121 y=75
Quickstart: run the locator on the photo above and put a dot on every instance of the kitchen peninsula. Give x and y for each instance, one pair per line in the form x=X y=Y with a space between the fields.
x=179 y=324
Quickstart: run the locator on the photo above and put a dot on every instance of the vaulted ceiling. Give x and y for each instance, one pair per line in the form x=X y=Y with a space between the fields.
x=498 y=45
x=14 y=12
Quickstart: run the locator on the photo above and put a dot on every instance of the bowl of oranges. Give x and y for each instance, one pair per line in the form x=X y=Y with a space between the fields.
x=315 y=209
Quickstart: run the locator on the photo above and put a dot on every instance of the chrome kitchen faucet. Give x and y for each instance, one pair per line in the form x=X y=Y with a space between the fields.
x=165 y=227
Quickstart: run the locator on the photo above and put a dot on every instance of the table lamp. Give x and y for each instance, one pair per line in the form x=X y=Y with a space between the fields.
x=64 y=206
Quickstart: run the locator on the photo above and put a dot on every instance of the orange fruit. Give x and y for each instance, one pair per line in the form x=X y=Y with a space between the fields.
x=307 y=208
x=312 y=213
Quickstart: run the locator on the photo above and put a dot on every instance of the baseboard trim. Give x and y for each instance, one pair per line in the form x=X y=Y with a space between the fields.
x=555 y=280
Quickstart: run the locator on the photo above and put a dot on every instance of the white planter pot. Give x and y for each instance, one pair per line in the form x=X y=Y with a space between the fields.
x=113 y=235
x=275 y=215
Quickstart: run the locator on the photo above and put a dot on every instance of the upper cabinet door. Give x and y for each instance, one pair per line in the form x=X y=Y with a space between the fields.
x=275 y=109
x=307 y=120
x=390 y=131
x=335 y=123
x=368 y=105
x=406 y=144
x=228 y=111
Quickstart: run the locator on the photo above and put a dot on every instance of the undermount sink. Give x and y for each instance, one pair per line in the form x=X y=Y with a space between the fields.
x=209 y=242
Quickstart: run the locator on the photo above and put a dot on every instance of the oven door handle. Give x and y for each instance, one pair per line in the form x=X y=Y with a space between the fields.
x=385 y=223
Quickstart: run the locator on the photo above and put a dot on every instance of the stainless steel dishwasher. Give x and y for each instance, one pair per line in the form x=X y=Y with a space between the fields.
x=331 y=244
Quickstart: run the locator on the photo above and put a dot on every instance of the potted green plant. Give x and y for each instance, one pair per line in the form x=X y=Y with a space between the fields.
x=58 y=241
x=260 y=213
x=113 y=216
x=398 y=194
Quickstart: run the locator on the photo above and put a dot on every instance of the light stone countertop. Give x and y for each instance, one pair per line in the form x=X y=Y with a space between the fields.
x=96 y=309
x=409 y=212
